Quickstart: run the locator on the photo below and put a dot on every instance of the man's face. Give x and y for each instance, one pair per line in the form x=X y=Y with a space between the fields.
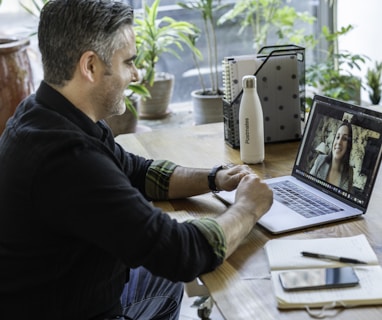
x=110 y=92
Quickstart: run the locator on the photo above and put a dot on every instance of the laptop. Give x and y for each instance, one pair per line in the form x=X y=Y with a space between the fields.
x=314 y=194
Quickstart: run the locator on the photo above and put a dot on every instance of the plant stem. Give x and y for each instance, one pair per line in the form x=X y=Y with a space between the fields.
x=209 y=47
x=215 y=84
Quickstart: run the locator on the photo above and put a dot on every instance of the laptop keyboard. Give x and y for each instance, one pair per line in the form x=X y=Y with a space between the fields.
x=301 y=201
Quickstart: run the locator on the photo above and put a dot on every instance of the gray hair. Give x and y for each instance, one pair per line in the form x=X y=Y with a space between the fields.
x=68 y=28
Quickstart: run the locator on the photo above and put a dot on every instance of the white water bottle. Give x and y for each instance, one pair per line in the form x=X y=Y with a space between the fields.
x=251 y=123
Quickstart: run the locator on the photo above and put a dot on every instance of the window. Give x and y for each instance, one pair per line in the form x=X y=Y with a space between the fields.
x=186 y=76
x=229 y=42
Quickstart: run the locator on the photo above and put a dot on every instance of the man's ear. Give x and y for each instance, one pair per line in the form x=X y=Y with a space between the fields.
x=90 y=66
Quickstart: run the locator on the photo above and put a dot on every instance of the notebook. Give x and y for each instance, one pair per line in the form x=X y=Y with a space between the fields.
x=330 y=197
x=234 y=69
x=285 y=255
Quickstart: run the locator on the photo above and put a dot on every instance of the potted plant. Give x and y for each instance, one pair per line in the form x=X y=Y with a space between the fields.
x=269 y=19
x=155 y=36
x=373 y=81
x=207 y=101
x=333 y=77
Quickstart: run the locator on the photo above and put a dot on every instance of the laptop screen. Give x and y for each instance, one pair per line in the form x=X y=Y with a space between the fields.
x=341 y=150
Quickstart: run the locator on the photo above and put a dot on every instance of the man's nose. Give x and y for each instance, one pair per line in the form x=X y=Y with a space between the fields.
x=135 y=77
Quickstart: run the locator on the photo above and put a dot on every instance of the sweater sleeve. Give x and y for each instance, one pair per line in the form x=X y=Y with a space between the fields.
x=214 y=234
x=158 y=179
x=157 y=185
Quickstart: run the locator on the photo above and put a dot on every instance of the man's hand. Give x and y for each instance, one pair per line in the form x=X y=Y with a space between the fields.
x=253 y=199
x=228 y=179
x=255 y=194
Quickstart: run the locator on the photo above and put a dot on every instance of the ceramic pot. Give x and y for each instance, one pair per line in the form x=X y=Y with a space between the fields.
x=156 y=107
x=207 y=108
x=16 y=81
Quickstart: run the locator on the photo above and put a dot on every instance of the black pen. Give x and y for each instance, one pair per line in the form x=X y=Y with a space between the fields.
x=330 y=257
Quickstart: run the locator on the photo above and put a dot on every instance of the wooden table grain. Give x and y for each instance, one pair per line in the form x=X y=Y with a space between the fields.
x=241 y=287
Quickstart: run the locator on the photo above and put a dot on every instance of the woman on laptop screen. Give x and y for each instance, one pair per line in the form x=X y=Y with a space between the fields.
x=335 y=167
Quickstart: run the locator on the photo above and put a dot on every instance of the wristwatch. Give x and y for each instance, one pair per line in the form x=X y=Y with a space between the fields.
x=212 y=176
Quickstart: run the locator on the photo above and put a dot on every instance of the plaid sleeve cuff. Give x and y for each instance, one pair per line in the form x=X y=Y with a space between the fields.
x=158 y=179
x=214 y=235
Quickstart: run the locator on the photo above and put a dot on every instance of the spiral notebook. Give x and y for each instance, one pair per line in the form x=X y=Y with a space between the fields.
x=326 y=202
x=234 y=69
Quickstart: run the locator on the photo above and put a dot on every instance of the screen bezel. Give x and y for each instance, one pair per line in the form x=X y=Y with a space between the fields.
x=370 y=119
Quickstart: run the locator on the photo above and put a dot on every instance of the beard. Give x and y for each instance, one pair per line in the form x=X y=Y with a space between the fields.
x=109 y=100
x=117 y=107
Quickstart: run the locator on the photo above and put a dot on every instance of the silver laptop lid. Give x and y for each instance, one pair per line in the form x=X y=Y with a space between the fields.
x=340 y=151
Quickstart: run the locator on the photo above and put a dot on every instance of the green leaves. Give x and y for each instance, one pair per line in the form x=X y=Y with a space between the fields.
x=264 y=16
x=208 y=9
x=334 y=77
x=373 y=78
x=34 y=8
x=157 y=36
x=138 y=89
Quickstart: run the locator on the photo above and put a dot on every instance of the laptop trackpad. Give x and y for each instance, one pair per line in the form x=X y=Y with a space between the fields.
x=280 y=217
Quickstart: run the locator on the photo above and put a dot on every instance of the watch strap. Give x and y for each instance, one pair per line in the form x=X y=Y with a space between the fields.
x=212 y=177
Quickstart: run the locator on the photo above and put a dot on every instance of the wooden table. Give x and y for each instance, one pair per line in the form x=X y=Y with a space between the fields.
x=241 y=288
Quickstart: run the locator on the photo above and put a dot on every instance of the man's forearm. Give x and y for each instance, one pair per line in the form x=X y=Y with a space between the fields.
x=236 y=223
x=253 y=198
x=188 y=182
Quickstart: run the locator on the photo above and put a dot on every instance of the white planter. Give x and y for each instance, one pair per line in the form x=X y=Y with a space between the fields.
x=207 y=109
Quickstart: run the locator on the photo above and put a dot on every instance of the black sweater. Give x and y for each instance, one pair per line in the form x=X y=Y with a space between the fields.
x=74 y=217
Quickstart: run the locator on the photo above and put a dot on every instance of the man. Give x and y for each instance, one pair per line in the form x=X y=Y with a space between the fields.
x=79 y=238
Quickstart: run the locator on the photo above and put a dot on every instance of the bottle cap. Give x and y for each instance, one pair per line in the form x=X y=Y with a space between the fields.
x=249 y=81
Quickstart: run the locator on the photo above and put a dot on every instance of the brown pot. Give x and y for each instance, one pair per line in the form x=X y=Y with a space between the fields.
x=16 y=81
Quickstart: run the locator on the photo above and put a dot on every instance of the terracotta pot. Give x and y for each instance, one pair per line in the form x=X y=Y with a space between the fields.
x=207 y=108
x=156 y=107
x=16 y=81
